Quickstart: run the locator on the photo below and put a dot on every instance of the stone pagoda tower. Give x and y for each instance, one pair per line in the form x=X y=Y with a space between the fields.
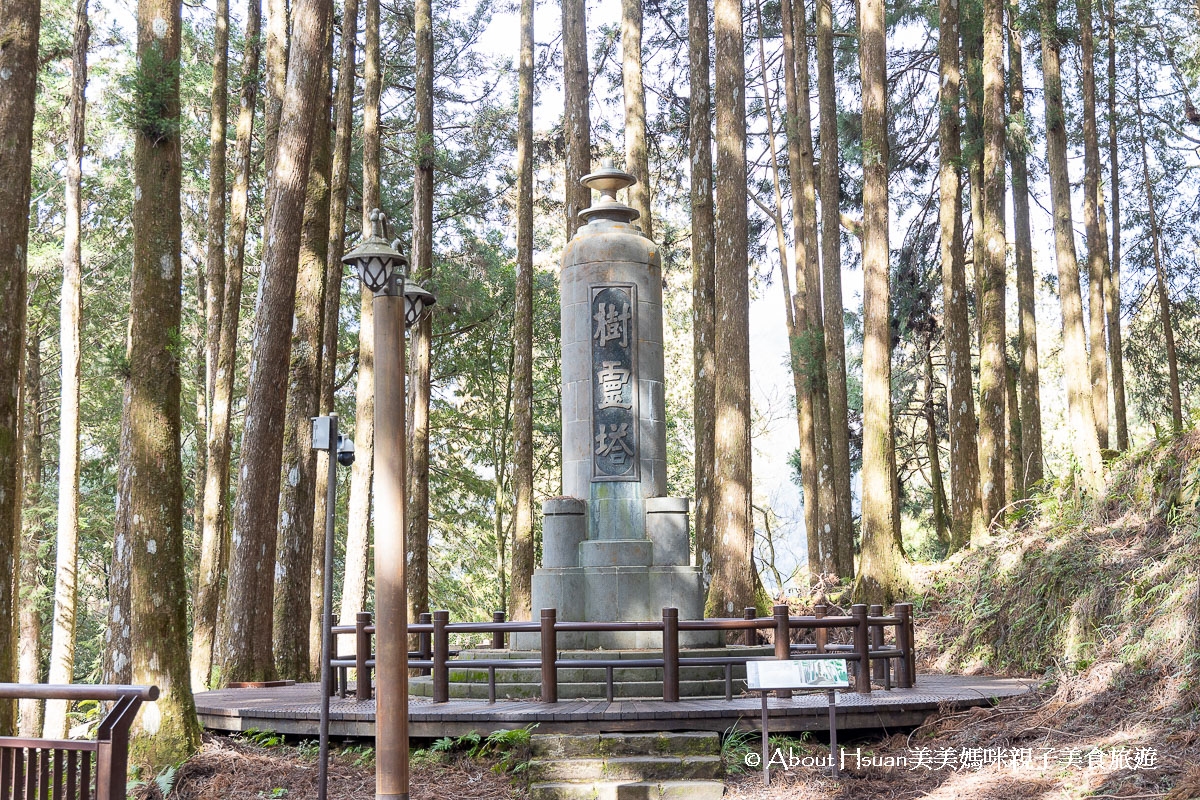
x=614 y=547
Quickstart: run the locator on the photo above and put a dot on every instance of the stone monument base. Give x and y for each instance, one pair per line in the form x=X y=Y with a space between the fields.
x=616 y=580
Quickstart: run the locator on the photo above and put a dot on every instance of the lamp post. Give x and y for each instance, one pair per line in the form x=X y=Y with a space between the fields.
x=381 y=267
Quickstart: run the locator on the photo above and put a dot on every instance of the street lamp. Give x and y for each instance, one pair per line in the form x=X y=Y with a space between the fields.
x=382 y=267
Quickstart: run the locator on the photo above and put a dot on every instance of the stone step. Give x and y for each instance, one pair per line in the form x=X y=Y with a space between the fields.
x=595 y=655
x=590 y=675
x=636 y=790
x=626 y=769
x=692 y=743
x=423 y=687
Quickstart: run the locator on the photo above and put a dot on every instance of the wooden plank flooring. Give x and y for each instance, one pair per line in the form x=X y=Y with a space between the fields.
x=296 y=710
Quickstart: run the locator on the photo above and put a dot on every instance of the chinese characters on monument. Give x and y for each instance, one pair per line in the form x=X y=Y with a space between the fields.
x=614 y=382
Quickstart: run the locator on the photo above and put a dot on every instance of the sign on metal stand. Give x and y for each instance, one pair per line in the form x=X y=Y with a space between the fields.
x=765 y=677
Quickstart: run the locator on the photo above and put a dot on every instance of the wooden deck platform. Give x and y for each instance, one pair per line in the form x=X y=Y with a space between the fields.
x=296 y=710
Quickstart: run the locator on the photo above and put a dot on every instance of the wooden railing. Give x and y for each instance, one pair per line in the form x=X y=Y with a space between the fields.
x=870 y=654
x=71 y=769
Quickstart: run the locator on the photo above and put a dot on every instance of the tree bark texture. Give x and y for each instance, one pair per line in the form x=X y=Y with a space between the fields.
x=971 y=18
x=992 y=365
x=966 y=515
x=1014 y=478
x=218 y=121
x=733 y=581
x=422 y=340
x=358 y=527
x=33 y=535
x=1097 y=242
x=246 y=633
x=879 y=578
x=941 y=525
x=294 y=544
x=831 y=257
x=1112 y=281
x=700 y=193
x=167 y=731
x=576 y=117
x=335 y=249
x=1030 y=394
x=523 y=547
x=62 y=638
x=637 y=158
x=1079 y=392
x=116 y=667
x=214 y=541
x=19 y=27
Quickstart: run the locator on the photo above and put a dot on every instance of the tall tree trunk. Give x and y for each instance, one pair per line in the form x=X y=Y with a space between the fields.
x=576 y=117
x=1079 y=392
x=831 y=257
x=20 y=21
x=932 y=450
x=358 y=533
x=33 y=530
x=1030 y=395
x=277 y=40
x=335 y=249
x=62 y=639
x=966 y=515
x=117 y=667
x=993 y=376
x=1097 y=242
x=422 y=340
x=637 y=159
x=218 y=122
x=733 y=580
x=1160 y=280
x=1014 y=480
x=700 y=192
x=358 y=528
x=294 y=545
x=795 y=315
x=972 y=54
x=214 y=541
x=523 y=548
x=167 y=731
x=1112 y=281
x=880 y=576
x=246 y=633
x=810 y=347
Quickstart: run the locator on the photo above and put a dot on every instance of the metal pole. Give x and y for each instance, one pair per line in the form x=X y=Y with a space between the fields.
x=327 y=608
x=765 y=741
x=391 y=612
x=833 y=751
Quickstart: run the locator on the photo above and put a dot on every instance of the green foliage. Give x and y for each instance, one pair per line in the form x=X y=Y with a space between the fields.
x=149 y=106
x=263 y=738
x=510 y=748
x=736 y=744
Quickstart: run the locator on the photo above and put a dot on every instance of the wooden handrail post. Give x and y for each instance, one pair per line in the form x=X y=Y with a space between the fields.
x=820 y=635
x=670 y=644
x=498 y=637
x=549 y=656
x=904 y=643
x=441 y=654
x=425 y=641
x=783 y=641
x=362 y=652
x=862 y=669
x=751 y=633
x=879 y=667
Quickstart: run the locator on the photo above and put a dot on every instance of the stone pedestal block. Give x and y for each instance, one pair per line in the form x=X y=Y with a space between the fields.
x=667 y=529
x=564 y=526
x=616 y=553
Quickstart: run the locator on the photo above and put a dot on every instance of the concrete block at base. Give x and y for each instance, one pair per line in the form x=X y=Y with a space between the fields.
x=561 y=589
x=667 y=528
x=683 y=588
x=564 y=526
x=616 y=553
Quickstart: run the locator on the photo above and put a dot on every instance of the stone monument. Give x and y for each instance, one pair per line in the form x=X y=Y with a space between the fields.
x=615 y=547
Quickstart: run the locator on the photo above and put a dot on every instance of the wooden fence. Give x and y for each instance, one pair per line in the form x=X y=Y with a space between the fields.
x=872 y=653
x=71 y=769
